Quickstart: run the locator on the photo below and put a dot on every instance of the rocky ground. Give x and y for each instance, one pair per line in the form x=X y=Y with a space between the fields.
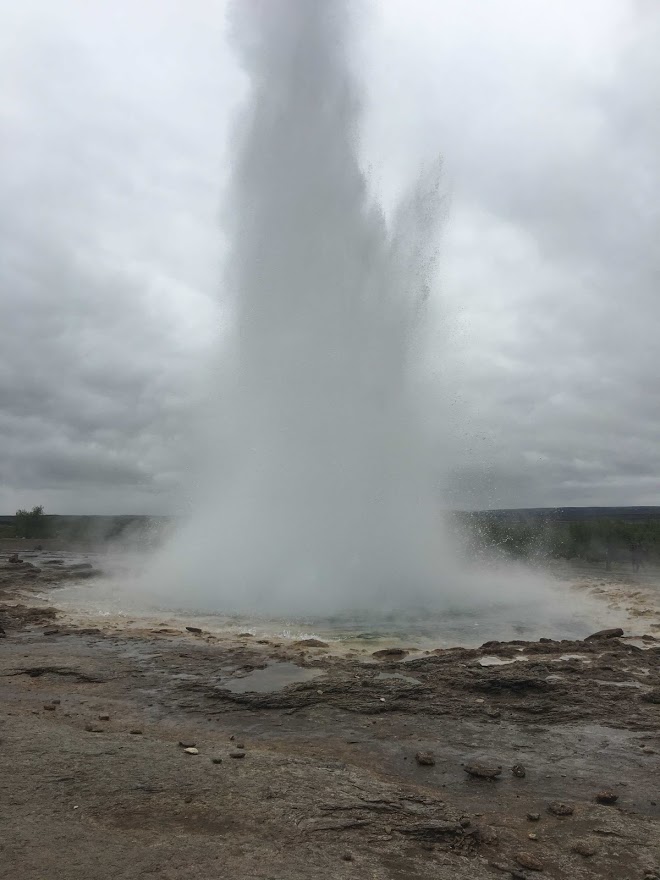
x=176 y=754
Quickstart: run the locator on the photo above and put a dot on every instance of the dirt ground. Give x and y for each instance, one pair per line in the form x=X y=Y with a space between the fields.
x=361 y=766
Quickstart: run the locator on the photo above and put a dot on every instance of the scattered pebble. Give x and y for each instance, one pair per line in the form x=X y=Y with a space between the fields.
x=533 y=836
x=487 y=835
x=240 y=745
x=607 y=796
x=533 y=817
x=529 y=861
x=49 y=707
x=519 y=771
x=136 y=732
x=482 y=771
x=216 y=760
x=585 y=848
x=93 y=728
x=104 y=717
x=193 y=629
x=236 y=754
x=191 y=750
x=425 y=759
x=187 y=744
x=348 y=857
x=557 y=808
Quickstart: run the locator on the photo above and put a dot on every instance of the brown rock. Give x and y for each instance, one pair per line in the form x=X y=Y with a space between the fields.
x=487 y=835
x=607 y=797
x=585 y=848
x=187 y=744
x=529 y=861
x=49 y=707
x=236 y=754
x=104 y=717
x=557 y=808
x=519 y=771
x=425 y=759
x=310 y=643
x=193 y=629
x=615 y=633
x=533 y=817
x=136 y=732
x=93 y=728
x=482 y=771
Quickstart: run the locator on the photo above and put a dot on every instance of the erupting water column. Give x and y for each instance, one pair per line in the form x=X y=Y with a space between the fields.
x=321 y=496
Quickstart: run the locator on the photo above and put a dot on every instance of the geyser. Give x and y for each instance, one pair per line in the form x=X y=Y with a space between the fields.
x=319 y=495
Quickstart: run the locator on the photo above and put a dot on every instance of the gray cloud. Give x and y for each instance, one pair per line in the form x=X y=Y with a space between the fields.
x=116 y=121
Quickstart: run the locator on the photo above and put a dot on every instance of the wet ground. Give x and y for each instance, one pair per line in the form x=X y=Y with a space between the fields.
x=151 y=750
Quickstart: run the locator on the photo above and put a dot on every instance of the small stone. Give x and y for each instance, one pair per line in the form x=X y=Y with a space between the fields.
x=236 y=754
x=216 y=760
x=527 y=860
x=193 y=629
x=482 y=771
x=49 y=707
x=52 y=631
x=248 y=636
x=310 y=643
x=425 y=759
x=347 y=857
x=493 y=713
x=465 y=822
x=584 y=848
x=486 y=834
x=614 y=633
x=56 y=701
x=607 y=796
x=557 y=808
x=240 y=745
x=191 y=750
x=533 y=817
x=533 y=836
x=93 y=728
x=187 y=744
x=104 y=717
x=519 y=771
x=136 y=732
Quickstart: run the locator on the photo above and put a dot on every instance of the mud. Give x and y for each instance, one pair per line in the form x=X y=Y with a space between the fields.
x=95 y=781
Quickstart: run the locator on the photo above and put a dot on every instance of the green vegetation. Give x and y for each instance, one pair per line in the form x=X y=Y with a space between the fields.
x=592 y=540
x=31 y=523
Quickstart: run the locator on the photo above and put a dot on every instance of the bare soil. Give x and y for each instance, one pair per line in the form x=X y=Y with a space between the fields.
x=371 y=768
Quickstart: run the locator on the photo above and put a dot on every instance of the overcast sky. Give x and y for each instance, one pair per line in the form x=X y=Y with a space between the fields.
x=115 y=138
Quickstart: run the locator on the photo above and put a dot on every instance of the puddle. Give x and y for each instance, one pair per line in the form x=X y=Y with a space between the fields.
x=382 y=676
x=570 y=657
x=499 y=661
x=272 y=678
